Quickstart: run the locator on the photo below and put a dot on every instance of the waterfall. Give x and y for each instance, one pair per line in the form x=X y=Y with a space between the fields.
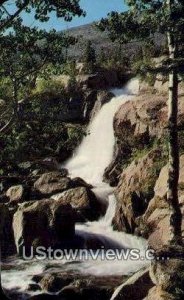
x=88 y=162
x=96 y=150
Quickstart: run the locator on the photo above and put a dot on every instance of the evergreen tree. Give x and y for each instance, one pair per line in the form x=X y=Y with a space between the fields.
x=89 y=56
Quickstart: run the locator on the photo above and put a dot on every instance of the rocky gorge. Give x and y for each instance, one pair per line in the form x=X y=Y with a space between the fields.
x=43 y=208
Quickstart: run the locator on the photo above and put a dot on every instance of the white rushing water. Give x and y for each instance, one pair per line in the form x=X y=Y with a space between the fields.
x=96 y=150
x=88 y=162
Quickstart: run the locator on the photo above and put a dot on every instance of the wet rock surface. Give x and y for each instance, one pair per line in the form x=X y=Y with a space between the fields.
x=79 y=286
x=83 y=201
x=58 y=284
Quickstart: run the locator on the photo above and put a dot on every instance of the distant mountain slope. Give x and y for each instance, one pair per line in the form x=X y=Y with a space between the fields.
x=99 y=40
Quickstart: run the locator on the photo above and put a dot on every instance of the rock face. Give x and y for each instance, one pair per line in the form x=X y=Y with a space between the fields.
x=100 y=80
x=83 y=201
x=136 y=189
x=141 y=199
x=7 y=245
x=144 y=118
x=93 y=101
x=138 y=123
x=46 y=223
x=156 y=219
x=53 y=283
x=102 y=98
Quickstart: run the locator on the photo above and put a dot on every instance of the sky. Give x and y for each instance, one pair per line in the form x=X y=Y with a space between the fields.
x=95 y=9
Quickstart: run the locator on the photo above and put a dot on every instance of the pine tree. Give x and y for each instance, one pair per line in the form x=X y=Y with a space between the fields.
x=10 y=12
x=89 y=56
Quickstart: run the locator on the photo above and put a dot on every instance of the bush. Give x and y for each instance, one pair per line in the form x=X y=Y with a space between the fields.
x=48 y=85
x=39 y=131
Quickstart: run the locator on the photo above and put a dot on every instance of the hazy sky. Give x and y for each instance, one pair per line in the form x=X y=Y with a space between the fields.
x=95 y=9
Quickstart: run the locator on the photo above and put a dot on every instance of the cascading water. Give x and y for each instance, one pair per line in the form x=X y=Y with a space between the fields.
x=88 y=162
x=96 y=150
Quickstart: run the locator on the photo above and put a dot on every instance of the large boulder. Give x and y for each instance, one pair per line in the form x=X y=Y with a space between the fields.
x=136 y=189
x=7 y=246
x=161 y=84
x=79 y=182
x=52 y=182
x=161 y=184
x=135 y=288
x=140 y=118
x=46 y=223
x=15 y=193
x=83 y=201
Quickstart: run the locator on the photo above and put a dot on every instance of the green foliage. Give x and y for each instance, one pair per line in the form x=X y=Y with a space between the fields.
x=27 y=51
x=26 y=54
x=69 y=68
x=142 y=59
x=145 y=18
x=116 y=60
x=5 y=88
x=41 y=132
x=89 y=53
x=48 y=85
x=75 y=135
x=10 y=13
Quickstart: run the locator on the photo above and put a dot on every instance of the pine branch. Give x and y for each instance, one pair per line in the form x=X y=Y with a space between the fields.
x=11 y=18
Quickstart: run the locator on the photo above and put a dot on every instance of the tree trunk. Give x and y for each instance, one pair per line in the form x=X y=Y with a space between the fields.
x=173 y=169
